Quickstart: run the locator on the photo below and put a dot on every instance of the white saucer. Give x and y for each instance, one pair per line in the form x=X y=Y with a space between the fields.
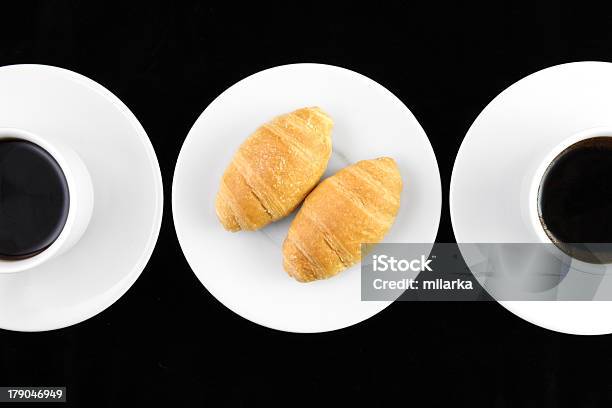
x=499 y=156
x=244 y=270
x=64 y=106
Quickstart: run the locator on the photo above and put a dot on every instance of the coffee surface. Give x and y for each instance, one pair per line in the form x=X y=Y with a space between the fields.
x=34 y=199
x=575 y=195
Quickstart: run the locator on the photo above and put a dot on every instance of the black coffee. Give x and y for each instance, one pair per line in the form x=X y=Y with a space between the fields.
x=575 y=200
x=34 y=199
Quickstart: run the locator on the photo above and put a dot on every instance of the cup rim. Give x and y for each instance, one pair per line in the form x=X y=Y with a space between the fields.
x=19 y=265
x=534 y=214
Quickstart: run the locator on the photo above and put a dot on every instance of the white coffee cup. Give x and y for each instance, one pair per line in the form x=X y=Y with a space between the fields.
x=81 y=201
x=539 y=269
x=585 y=277
x=545 y=163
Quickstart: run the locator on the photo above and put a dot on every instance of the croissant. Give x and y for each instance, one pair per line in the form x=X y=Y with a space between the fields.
x=356 y=205
x=274 y=169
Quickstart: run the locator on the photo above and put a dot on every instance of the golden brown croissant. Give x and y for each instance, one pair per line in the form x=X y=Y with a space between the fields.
x=274 y=169
x=356 y=205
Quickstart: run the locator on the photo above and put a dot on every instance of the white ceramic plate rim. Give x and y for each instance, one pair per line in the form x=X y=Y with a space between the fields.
x=218 y=296
x=518 y=308
x=101 y=302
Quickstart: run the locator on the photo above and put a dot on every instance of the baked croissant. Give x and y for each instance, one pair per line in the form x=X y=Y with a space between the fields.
x=274 y=169
x=356 y=205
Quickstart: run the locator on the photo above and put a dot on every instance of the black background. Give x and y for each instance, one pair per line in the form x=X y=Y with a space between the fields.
x=167 y=341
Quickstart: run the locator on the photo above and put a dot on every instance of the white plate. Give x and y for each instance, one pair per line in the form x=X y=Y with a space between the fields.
x=244 y=270
x=497 y=161
x=64 y=106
